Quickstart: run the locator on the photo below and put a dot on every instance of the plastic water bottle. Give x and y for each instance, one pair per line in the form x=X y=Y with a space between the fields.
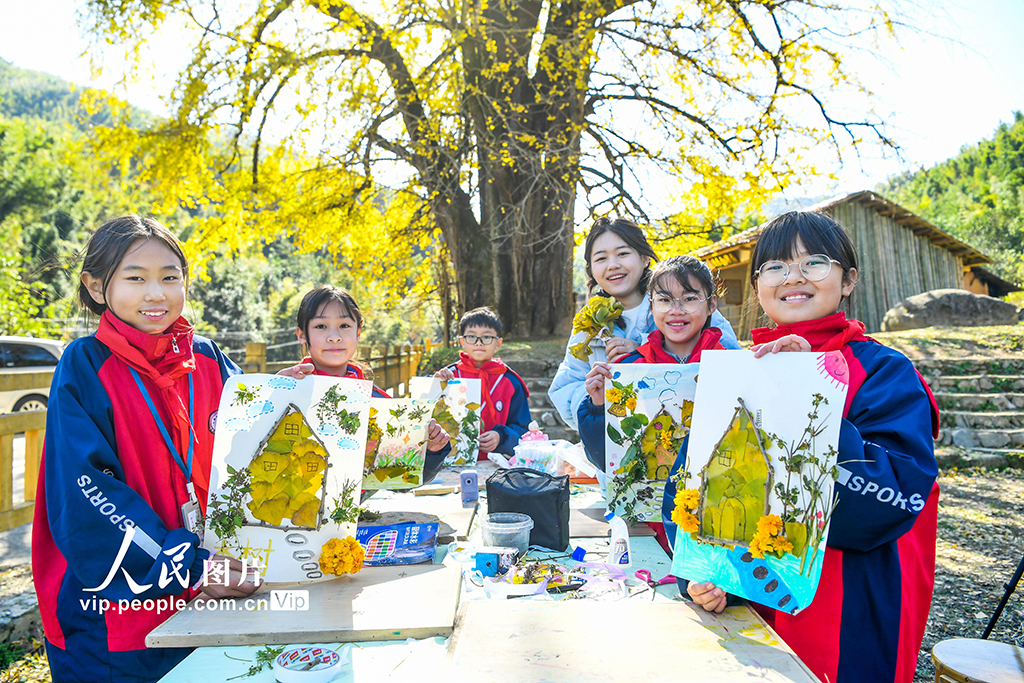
x=619 y=544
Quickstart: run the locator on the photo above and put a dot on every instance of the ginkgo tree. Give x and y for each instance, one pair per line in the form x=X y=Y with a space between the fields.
x=481 y=131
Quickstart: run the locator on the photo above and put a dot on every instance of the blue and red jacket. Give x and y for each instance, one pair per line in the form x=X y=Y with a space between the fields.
x=433 y=461
x=106 y=469
x=506 y=405
x=868 y=617
x=591 y=418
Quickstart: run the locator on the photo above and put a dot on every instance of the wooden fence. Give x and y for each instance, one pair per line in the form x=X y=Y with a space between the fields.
x=392 y=367
x=33 y=424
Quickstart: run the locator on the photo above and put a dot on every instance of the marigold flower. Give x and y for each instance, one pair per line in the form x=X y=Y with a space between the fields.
x=771 y=525
x=631 y=403
x=341 y=556
x=613 y=395
x=687 y=499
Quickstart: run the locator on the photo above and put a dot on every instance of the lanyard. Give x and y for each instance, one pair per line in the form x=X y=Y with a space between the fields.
x=186 y=469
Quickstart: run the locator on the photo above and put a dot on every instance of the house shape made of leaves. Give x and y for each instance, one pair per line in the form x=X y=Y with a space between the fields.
x=735 y=483
x=287 y=475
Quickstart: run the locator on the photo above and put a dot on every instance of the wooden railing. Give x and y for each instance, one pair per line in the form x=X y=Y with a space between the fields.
x=33 y=424
x=392 y=366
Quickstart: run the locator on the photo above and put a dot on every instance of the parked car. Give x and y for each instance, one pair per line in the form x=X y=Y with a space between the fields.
x=27 y=354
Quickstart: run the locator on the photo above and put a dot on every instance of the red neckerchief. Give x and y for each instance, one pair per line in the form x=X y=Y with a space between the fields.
x=830 y=333
x=486 y=373
x=352 y=370
x=654 y=350
x=153 y=356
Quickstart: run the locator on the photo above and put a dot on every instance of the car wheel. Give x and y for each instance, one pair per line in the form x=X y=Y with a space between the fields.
x=30 y=402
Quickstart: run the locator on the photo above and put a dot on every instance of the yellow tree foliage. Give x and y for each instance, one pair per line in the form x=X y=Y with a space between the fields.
x=377 y=129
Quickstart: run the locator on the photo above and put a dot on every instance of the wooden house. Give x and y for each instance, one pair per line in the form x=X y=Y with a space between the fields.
x=899 y=253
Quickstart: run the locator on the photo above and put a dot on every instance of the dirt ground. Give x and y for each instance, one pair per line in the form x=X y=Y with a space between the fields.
x=981 y=542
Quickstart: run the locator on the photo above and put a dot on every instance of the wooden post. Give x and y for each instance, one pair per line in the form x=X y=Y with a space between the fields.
x=256 y=356
x=6 y=472
x=33 y=456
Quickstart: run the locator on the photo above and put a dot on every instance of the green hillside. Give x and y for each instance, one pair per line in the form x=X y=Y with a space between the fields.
x=977 y=196
x=27 y=94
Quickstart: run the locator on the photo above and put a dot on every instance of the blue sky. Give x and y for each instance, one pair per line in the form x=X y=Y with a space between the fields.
x=939 y=94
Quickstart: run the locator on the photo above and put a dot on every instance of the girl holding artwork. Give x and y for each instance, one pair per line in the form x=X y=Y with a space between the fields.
x=682 y=300
x=329 y=324
x=126 y=465
x=867 y=620
x=619 y=259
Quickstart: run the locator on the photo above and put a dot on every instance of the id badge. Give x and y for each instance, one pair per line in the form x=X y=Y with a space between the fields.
x=192 y=519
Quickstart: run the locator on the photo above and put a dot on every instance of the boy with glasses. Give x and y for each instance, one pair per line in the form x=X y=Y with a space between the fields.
x=506 y=407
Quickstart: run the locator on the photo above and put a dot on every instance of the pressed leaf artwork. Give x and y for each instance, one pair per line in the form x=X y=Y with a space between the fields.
x=755 y=497
x=400 y=427
x=457 y=411
x=648 y=409
x=283 y=450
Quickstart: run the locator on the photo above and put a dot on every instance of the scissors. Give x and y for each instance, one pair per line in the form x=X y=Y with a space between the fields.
x=645 y=576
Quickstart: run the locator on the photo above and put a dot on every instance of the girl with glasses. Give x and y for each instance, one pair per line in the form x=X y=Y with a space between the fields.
x=681 y=295
x=868 y=617
x=619 y=260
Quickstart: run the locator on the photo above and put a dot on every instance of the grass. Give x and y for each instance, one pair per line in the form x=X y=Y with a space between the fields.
x=997 y=341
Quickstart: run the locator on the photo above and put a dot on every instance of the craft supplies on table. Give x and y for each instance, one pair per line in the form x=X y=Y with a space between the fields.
x=403 y=543
x=510 y=529
x=469 y=486
x=308 y=665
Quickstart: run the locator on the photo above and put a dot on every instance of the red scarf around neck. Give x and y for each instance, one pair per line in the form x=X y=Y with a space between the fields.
x=352 y=370
x=830 y=333
x=654 y=350
x=154 y=357
x=487 y=374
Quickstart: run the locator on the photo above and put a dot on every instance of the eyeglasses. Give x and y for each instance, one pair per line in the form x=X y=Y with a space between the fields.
x=473 y=340
x=814 y=268
x=689 y=304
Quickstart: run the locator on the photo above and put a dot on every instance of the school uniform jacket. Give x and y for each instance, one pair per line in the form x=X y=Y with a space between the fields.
x=867 y=619
x=105 y=470
x=568 y=387
x=506 y=405
x=591 y=417
x=433 y=461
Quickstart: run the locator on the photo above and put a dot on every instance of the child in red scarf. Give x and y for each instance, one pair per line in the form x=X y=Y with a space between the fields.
x=682 y=294
x=506 y=408
x=329 y=324
x=868 y=617
x=129 y=441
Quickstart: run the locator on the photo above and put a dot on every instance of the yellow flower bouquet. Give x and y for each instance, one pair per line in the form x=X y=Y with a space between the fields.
x=341 y=556
x=596 y=319
x=687 y=501
x=769 y=538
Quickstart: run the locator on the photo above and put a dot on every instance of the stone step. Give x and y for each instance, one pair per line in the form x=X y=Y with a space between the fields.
x=979 y=402
x=993 y=420
x=986 y=438
x=535 y=368
x=931 y=367
x=552 y=425
x=976 y=383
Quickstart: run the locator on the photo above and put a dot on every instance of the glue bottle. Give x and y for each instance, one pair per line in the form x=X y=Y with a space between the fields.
x=618 y=554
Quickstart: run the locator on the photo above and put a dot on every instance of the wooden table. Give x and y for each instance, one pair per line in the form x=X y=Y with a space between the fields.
x=650 y=635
